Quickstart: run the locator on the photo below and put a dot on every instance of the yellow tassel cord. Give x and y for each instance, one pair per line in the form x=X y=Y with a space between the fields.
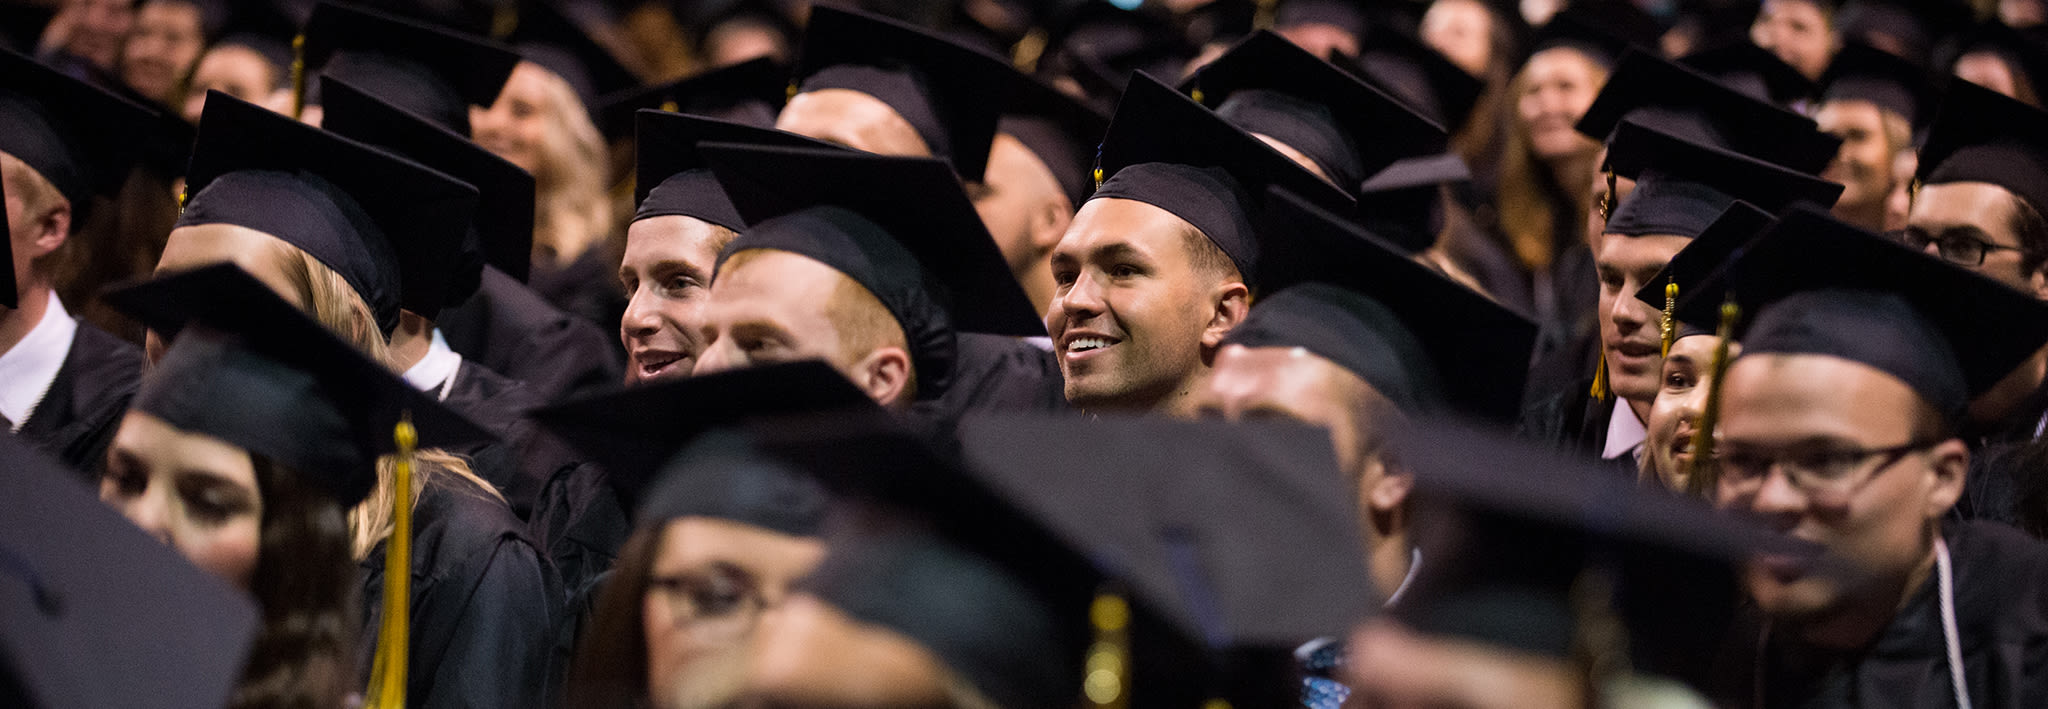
x=1669 y=325
x=1607 y=200
x=670 y=106
x=1029 y=50
x=387 y=673
x=789 y=92
x=1264 y=13
x=1198 y=96
x=1600 y=391
x=1701 y=477
x=1107 y=682
x=299 y=77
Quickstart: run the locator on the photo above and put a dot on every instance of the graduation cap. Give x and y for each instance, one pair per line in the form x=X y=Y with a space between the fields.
x=1752 y=71
x=542 y=34
x=1682 y=186
x=1241 y=537
x=1682 y=102
x=1350 y=129
x=701 y=19
x=1419 y=338
x=673 y=179
x=265 y=28
x=1909 y=27
x=2026 y=55
x=1814 y=285
x=1601 y=30
x=1100 y=44
x=1060 y=129
x=1737 y=225
x=1404 y=203
x=901 y=227
x=96 y=613
x=1980 y=135
x=80 y=137
x=1418 y=74
x=750 y=92
x=429 y=71
x=501 y=232
x=634 y=433
x=1862 y=73
x=950 y=94
x=1165 y=150
x=251 y=369
x=381 y=222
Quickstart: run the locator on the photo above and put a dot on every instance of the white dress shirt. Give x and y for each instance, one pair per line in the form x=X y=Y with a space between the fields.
x=30 y=367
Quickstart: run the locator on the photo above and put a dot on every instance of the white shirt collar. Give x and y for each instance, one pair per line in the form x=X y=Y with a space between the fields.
x=1625 y=432
x=29 y=369
x=435 y=372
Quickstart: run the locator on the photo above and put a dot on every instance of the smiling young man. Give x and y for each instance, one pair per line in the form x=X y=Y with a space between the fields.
x=1159 y=264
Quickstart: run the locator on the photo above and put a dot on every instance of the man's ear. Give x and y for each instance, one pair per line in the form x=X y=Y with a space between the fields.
x=1948 y=466
x=1049 y=222
x=2039 y=280
x=885 y=375
x=50 y=229
x=1391 y=490
x=1229 y=304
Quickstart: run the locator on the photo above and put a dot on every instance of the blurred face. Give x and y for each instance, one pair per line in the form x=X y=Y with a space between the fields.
x=853 y=119
x=666 y=271
x=166 y=41
x=96 y=29
x=743 y=39
x=1558 y=85
x=1864 y=164
x=1320 y=39
x=1295 y=384
x=1392 y=667
x=1877 y=506
x=1463 y=31
x=1130 y=307
x=771 y=308
x=1018 y=193
x=1687 y=377
x=709 y=587
x=516 y=126
x=812 y=655
x=1974 y=211
x=1798 y=32
x=1629 y=335
x=232 y=69
x=1990 y=71
x=191 y=491
x=202 y=245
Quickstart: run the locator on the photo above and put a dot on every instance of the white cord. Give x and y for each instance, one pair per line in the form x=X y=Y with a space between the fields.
x=1948 y=623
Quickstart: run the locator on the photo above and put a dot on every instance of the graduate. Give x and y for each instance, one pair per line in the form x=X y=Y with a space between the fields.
x=1038 y=174
x=63 y=144
x=1877 y=104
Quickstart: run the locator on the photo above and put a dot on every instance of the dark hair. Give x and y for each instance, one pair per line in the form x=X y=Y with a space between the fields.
x=610 y=667
x=2032 y=231
x=305 y=584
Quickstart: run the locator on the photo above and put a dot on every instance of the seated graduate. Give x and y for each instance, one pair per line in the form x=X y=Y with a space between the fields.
x=1038 y=174
x=1839 y=426
x=1876 y=102
x=63 y=142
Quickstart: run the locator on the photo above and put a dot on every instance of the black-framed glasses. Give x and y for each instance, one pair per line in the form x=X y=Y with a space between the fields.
x=717 y=605
x=1959 y=249
x=1830 y=473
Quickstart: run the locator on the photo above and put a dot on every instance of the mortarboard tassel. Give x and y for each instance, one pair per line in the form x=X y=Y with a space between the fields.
x=1699 y=480
x=504 y=21
x=1265 y=14
x=299 y=77
x=1107 y=678
x=387 y=673
x=1600 y=391
x=670 y=106
x=1668 y=327
x=1029 y=50
x=1607 y=200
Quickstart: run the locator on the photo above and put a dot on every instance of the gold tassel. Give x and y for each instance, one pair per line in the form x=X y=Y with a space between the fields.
x=1600 y=391
x=1029 y=50
x=789 y=92
x=1197 y=95
x=504 y=20
x=387 y=673
x=1669 y=326
x=1266 y=12
x=1607 y=200
x=1699 y=482
x=1107 y=682
x=1098 y=177
x=299 y=77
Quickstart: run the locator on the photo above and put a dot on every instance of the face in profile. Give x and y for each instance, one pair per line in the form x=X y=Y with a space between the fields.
x=853 y=119
x=1681 y=395
x=812 y=655
x=1629 y=334
x=191 y=491
x=711 y=583
x=1556 y=86
x=666 y=271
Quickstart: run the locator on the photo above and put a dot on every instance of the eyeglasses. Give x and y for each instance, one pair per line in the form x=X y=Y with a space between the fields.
x=1822 y=473
x=717 y=606
x=1959 y=249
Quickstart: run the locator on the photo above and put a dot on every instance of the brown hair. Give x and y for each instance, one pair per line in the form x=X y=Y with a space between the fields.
x=573 y=212
x=305 y=586
x=1208 y=259
x=610 y=666
x=1529 y=195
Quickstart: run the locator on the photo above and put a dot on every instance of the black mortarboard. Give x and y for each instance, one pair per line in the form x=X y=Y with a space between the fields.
x=673 y=179
x=1860 y=72
x=249 y=368
x=1243 y=537
x=1602 y=30
x=1349 y=128
x=701 y=18
x=501 y=232
x=1529 y=533
x=951 y=94
x=1404 y=203
x=1348 y=15
x=80 y=137
x=96 y=613
x=1100 y=44
x=633 y=433
x=1682 y=186
x=1980 y=135
x=1419 y=338
x=1912 y=27
x=901 y=227
x=2026 y=55
x=1660 y=94
x=429 y=71
x=360 y=211
x=542 y=34
x=749 y=92
x=1753 y=71
x=265 y=28
x=728 y=475
x=1814 y=285
x=1420 y=75
x=1061 y=130
x=1735 y=228
x=1165 y=150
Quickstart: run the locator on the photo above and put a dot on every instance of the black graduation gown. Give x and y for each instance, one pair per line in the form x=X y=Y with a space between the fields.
x=483 y=605
x=511 y=330
x=587 y=288
x=77 y=419
x=996 y=373
x=2001 y=598
x=579 y=522
x=523 y=459
x=2007 y=466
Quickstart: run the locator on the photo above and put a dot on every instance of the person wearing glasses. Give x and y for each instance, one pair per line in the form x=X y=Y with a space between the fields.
x=1983 y=190
x=1839 y=427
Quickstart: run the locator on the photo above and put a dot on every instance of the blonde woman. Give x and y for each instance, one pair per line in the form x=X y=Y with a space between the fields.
x=539 y=124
